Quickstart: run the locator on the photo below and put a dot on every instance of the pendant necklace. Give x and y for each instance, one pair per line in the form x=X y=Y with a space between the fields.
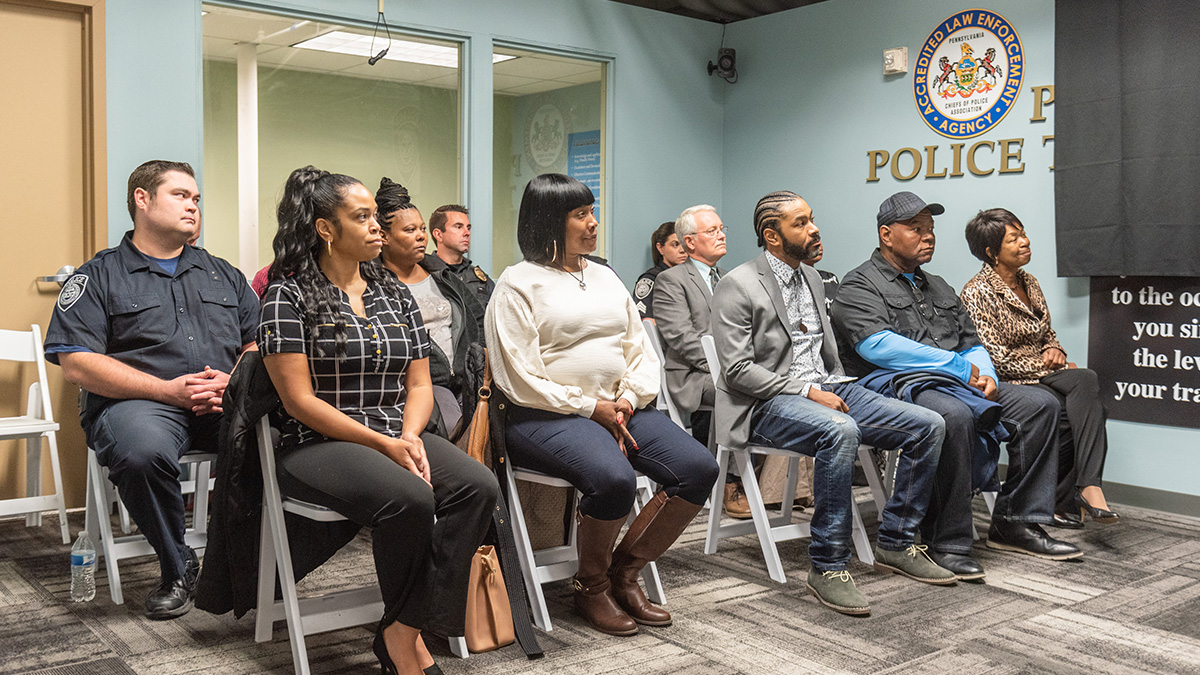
x=582 y=286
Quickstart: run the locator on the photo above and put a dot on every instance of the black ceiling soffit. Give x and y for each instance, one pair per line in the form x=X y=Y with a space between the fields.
x=720 y=11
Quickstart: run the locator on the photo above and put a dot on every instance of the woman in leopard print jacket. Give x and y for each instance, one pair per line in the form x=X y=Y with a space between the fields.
x=1013 y=322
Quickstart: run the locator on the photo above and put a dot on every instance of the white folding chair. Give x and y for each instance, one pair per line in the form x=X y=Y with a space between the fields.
x=770 y=528
x=100 y=498
x=37 y=423
x=561 y=562
x=304 y=616
x=665 y=402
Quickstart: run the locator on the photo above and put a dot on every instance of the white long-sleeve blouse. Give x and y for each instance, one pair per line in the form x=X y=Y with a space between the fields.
x=554 y=346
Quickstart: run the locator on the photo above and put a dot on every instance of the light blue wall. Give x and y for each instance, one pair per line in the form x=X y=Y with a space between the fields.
x=668 y=112
x=812 y=100
x=153 y=95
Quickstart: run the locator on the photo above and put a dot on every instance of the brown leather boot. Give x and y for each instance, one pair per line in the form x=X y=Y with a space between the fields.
x=594 y=540
x=653 y=531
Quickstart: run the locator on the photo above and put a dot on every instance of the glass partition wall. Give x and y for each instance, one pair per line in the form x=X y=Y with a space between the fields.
x=282 y=92
x=548 y=117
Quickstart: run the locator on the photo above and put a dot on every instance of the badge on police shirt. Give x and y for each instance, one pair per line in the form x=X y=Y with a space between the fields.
x=481 y=274
x=72 y=291
x=643 y=288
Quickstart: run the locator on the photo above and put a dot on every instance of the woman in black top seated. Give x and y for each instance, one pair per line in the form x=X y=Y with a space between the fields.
x=348 y=354
x=667 y=252
x=452 y=315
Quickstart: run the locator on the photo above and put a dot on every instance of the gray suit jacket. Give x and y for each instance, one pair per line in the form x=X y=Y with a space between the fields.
x=682 y=312
x=754 y=344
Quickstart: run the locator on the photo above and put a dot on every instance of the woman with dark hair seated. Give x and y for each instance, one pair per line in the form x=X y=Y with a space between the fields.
x=667 y=252
x=451 y=313
x=567 y=347
x=346 y=349
x=1013 y=321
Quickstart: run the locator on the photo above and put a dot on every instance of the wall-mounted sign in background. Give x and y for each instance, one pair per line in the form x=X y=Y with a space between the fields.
x=968 y=73
x=583 y=161
x=544 y=138
x=967 y=77
x=1144 y=343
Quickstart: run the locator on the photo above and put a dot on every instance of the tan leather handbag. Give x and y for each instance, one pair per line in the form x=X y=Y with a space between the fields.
x=489 y=623
x=475 y=441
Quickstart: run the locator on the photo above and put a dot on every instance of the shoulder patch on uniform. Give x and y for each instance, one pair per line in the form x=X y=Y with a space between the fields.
x=72 y=291
x=643 y=288
x=481 y=274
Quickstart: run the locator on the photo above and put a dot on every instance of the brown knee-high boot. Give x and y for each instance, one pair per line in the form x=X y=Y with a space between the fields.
x=653 y=531
x=594 y=540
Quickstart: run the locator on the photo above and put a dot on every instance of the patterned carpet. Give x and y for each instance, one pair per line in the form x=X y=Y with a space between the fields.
x=1131 y=606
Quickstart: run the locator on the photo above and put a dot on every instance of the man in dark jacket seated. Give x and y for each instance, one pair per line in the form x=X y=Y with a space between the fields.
x=895 y=315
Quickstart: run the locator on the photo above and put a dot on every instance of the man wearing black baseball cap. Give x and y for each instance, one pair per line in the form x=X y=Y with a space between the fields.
x=909 y=336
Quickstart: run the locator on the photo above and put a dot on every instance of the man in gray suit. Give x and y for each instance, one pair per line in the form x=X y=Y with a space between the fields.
x=782 y=385
x=682 y=295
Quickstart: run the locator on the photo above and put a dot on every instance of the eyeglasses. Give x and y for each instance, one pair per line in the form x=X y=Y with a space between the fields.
x=715 y=231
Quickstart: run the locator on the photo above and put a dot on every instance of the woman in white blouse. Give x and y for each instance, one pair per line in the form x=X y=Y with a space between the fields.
x=567 y=347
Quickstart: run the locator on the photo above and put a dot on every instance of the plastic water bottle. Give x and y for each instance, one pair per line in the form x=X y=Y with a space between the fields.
x=83 y=569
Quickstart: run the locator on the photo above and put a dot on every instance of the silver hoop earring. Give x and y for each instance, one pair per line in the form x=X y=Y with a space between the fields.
x=555 y=256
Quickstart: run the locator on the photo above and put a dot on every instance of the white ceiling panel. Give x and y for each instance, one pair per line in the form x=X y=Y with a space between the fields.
x=400 y=71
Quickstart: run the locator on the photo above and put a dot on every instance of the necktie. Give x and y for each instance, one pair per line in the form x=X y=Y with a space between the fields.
x=713 y=277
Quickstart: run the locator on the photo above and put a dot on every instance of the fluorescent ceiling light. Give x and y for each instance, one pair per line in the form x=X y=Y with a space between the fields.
x=343 y=42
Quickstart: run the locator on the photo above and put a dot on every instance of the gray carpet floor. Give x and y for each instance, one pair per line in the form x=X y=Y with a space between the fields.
x=1131 y=606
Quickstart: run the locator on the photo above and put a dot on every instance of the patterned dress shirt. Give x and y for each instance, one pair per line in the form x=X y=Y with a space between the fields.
x=807 y=334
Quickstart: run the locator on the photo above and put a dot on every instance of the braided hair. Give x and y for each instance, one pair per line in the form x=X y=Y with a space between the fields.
x=767 y=212
x=392 y=197
x=311 y=194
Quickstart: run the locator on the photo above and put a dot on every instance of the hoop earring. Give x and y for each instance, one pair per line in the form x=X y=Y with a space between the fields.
x=554 y=257
x=329 y=247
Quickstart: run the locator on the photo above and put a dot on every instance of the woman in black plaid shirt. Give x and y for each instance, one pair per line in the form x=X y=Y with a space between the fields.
x=345 y=347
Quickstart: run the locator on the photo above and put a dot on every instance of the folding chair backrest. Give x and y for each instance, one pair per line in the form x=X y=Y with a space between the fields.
x=663 y=394
x=710 y=354
x=25 y=346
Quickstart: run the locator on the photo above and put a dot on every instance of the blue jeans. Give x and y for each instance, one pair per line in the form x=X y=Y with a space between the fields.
x=583 y=452
x=791 y=422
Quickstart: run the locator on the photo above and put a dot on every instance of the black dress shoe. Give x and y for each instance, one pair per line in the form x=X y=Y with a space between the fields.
x=964 y=567
x=170 y=600
x=1030 y=539
x=1067 y=521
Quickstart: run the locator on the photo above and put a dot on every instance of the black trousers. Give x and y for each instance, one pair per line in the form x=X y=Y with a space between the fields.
x=423 y=566
x=141 y=442
x=1082 y=436
x=1027 y=495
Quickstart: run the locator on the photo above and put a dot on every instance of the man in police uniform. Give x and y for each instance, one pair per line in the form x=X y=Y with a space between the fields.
x=150 y=331
x=451 y=228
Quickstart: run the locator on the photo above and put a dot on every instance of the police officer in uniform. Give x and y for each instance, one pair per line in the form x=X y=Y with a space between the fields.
x=667 y=252
x=450 y=226
x=150 y=331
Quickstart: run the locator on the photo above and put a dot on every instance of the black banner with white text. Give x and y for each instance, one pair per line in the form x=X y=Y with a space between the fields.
x=1144 y=343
